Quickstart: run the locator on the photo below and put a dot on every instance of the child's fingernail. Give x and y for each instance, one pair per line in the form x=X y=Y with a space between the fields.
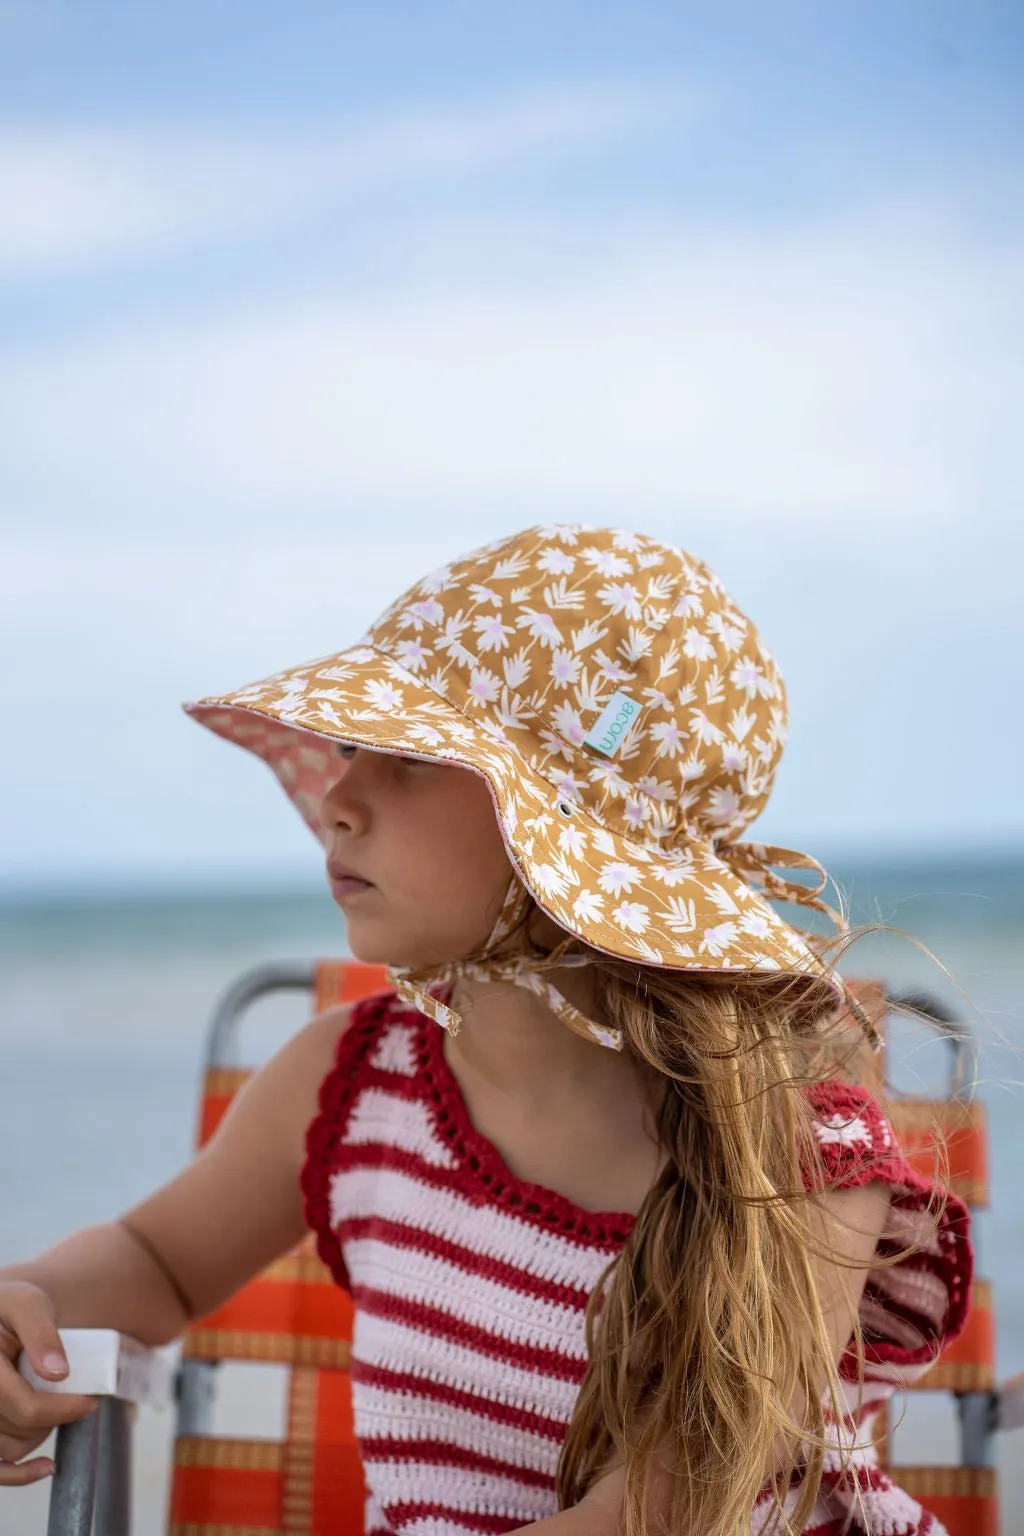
x=55 y=1365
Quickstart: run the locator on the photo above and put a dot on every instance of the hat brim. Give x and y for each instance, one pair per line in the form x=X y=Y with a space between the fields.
x=680 y=907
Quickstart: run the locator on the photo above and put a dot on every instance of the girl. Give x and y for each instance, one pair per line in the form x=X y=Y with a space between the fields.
x=630 y=1241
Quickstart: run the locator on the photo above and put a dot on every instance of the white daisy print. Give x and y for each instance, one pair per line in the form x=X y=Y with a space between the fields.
x=609 y=776
x=588 y=907
x=617 y=877
x=623 y=598
x=555 y=745
x=730 y=632
x=437 y=580
x=612 y=669
x=565 y=668
x=724 y=805
x=749 y=676
x=484 y=687
x=606 y=563
x=673 y=874
x=572 y=840
x=429 y=611
x=492 y=634
x=669 y=737
x=382 y=695
x=755 y=925
x=689 y=606
x=556 y=562
x=623 y=539
x=412 y=655
x=705 y=730
x=718 y=939
x=541 y=626
x=568 y=724
x=734 y=759
x=429 y=735
x=697 y=646
x=633 y=916
x=657 y=789
x=549 y=880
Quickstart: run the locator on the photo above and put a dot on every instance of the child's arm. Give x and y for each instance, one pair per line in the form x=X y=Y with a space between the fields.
x=173 y=1257
x=229 y=1213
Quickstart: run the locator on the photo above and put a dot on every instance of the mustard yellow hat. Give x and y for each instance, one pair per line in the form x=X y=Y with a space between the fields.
x=625 y=715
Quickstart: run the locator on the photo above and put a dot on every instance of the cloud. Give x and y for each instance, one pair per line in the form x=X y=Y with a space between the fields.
x=90 y=195
x=846 y=370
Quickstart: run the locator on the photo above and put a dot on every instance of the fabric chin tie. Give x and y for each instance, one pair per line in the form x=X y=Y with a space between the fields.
x=413 y=985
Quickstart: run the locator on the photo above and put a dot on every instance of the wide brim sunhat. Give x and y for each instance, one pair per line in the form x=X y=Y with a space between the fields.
x=623 y=712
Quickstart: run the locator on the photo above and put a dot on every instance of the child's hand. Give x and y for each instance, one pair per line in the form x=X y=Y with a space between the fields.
x=27 y=1415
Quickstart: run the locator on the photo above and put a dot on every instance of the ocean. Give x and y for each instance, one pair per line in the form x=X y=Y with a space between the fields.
x=105 y=1000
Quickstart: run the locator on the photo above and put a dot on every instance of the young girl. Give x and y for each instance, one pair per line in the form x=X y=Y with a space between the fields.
x=630 y=1242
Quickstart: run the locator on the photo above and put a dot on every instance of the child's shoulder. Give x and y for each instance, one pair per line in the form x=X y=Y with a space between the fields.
x=854 y=1136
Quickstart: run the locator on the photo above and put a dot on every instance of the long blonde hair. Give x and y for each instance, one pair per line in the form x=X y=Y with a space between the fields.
x=707 y=1324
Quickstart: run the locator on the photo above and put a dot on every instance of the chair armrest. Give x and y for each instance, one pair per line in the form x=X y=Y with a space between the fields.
x=93 y=1456
x=104 y=1363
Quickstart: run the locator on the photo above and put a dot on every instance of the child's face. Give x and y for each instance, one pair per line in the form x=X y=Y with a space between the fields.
x=425 y=835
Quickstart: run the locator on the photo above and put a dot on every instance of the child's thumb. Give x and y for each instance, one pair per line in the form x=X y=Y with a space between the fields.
x=37 y=1329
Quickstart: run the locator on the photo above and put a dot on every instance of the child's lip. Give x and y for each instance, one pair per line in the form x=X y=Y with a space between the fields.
x=339 y=872
x=347 y=880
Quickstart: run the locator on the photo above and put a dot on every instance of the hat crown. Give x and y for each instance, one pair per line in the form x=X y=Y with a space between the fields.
x=617 y=666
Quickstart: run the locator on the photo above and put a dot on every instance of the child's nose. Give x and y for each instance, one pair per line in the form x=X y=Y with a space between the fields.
x=341 y=808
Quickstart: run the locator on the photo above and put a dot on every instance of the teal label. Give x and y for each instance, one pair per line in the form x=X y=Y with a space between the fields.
x=613 y=724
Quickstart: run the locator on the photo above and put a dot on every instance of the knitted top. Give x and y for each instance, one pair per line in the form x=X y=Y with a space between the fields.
x=469 y=1287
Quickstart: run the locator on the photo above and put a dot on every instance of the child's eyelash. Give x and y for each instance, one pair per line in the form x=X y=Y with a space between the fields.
x=346 y=750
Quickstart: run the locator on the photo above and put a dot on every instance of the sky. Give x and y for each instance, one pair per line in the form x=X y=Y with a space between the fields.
x=297 y=302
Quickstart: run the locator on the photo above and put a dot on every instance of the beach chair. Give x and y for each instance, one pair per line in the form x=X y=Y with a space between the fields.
x=295 y=1315
x=963 y=1497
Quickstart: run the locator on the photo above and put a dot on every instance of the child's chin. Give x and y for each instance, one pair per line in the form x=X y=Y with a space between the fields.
x=376 y=949
x=373 y=948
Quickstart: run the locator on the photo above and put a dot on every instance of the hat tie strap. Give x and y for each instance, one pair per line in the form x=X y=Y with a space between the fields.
x=756 y=859
x=412 y=985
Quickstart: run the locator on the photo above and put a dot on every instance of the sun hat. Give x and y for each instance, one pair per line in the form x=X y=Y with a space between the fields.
x=628 y=721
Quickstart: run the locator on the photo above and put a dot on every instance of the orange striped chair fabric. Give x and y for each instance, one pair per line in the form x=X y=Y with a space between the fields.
x=947 y=1139
x=295 y=1315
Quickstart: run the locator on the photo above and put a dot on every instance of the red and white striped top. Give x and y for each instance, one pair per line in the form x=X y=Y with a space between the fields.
x=469 y=1288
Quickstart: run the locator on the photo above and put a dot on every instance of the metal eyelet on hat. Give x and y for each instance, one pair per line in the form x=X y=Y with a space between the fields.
x=566 y=810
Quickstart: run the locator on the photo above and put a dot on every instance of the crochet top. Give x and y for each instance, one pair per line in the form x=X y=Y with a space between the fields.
x=469 y=1287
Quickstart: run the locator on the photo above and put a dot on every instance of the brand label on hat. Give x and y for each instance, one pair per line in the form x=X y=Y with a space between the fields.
x=613 y=724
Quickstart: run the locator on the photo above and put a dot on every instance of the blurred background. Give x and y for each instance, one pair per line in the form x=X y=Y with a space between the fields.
x=296 y=302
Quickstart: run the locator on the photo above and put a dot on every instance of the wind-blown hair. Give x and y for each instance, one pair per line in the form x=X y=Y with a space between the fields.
x=707 y=1326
